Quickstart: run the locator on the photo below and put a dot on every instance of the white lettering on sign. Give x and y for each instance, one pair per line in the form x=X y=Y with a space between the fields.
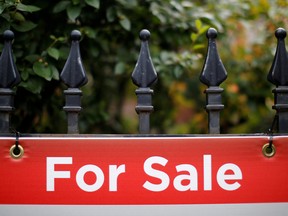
x=99 y=178
x=222 y=177
x=192 y=176
x=227 y=177
x=164 y=178
x=114 y=172
x=207 y=172
x=52 y=174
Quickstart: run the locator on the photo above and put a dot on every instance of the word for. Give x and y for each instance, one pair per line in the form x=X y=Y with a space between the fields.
x=228 y=175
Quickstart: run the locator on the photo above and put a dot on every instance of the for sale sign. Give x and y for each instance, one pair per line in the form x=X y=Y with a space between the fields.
x=230 y=175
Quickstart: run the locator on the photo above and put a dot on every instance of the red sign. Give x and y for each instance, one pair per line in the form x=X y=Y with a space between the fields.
x=136 y=171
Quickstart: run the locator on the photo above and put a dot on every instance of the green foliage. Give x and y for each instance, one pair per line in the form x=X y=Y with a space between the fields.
x=110 y=47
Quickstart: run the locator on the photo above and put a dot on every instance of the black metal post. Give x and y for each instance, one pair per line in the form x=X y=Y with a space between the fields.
x=74 y=76
x=143 y=76
x=212 y=75
x=9 y=77
x=278 y=75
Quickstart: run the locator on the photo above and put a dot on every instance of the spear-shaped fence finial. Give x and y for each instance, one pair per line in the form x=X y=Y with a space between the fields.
x=74 y=76
x=212 y=75
x=73 y=73
x=9 y=77
x=278 y=75
x=143 y=76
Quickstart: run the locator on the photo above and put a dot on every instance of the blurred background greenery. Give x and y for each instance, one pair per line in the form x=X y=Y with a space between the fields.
x=110 y=46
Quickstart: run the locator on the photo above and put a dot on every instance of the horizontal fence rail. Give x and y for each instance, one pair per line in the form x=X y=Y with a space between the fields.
x=144 y=76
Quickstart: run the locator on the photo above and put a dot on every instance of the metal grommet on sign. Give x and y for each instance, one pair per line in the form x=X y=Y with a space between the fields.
x=268 y=150
x=16 y=151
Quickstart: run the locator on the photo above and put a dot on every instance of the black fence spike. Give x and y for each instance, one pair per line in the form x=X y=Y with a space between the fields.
x=213 y=72
x=143 y=76
x=73 y=73
x=212 y=75
x=278 y=75
x=74 y=76
x=9 y=76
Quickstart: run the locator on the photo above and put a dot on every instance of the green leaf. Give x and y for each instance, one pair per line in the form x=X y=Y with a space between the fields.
x=75 y=2
x=64 y=52
x=198 y=24
x=120 y=68
x=73 y=11
x=61 y=39
x=93 y=3
x=55 y=72
x=6 y=16
x=18 y=16
x=90 y=32
x=204 y=29
x=42 y=70
x=194 y=37
x=198 y=46
x=32 y=58
x=111 y=14
x=27 y=8
x=33 y=85
x=10 y=2
x=24 y=26
x=126 y=24
x=2 y=8
x=53 y=52
x=129 y=3
x=61 y=6
x=25 y=74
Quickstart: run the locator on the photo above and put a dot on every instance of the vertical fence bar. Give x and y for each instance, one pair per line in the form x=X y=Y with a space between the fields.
x=74 y=76
x=9 y=77
x=143 y=76
x=278 y=75
x=212 y=75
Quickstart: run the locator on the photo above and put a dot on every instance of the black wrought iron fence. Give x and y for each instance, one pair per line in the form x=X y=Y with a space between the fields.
x=143 y=76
